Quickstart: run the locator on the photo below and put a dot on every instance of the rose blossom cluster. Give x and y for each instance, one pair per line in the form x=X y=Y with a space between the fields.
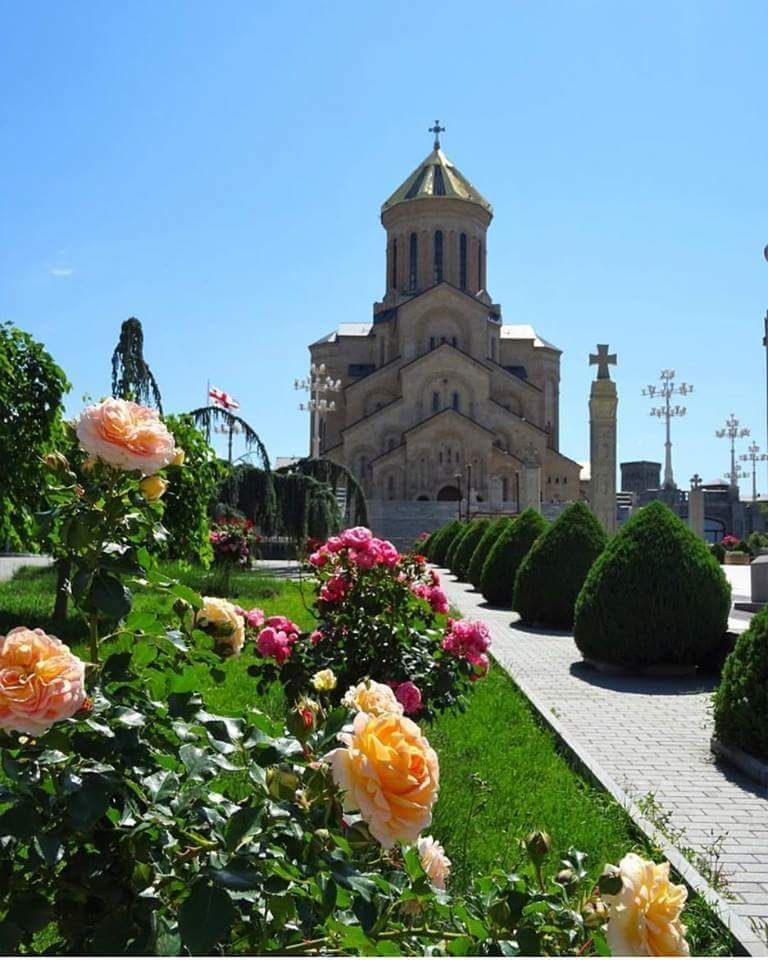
x=335 y=589
x=469 y=640
x=434 y=595
x=277 y=638
x=359 y=547
x=254 y=618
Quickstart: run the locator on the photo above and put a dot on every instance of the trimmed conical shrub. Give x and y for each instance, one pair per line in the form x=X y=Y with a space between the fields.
x=462 y=555
x=450 y=553
x=656 y=595
x=552 y=574
x=741 y=700
x=483 y=548
x=444 y=539
x=429 y=547
x=512 y=544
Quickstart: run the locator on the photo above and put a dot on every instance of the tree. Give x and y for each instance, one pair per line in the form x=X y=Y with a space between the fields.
x=506 y=555
x=192 y=487
x=131 y=377
x=655 y=595
x=552 y=574
x=32 y=386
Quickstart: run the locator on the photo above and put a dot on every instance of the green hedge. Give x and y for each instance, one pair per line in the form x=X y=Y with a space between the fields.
x=741 y=700
x=480 y=555
x=450 y=554
x=552 y=574
x=656 y=595
x=462 y=555
x=512 y=544
x=443 y=541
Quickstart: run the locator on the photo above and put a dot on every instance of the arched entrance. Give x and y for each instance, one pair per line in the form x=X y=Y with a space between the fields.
x=448 y=493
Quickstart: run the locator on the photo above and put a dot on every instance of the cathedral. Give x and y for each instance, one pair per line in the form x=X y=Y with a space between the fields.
x=441 y=401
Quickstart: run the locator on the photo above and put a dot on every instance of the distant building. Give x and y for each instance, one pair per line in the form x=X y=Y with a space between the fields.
x=637 y=476
x=440 y=397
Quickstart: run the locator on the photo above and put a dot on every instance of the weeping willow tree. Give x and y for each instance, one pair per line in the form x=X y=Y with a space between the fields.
x=336 y=477
x=131 y=377
x=207 y=419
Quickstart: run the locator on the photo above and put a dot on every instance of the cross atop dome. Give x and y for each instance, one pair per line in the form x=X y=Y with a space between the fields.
x=437 y=130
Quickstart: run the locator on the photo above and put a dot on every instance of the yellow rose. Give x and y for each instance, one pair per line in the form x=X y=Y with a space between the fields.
x=644 y=917
x=219 y=618
x=375 y=699
x=389 y=773
x=152 y=488
x=324 y=680
x=179 y=457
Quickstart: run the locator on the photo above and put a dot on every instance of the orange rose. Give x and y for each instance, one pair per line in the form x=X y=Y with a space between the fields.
x=388 y=771
x=644 y=916
x=126 y=435
x=41 y=681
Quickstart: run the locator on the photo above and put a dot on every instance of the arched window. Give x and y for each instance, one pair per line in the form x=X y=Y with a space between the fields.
x=438 y=256
x=394 y=263
x=390 y=487
x=480 y=265
x=455 y=401
x=435 y=401
x=463 y=261
x=414 y=262
x=431 y=343
x=505 y=488
x=362 y=466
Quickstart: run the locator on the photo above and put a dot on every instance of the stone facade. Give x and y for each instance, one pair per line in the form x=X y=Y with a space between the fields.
x=439 y=396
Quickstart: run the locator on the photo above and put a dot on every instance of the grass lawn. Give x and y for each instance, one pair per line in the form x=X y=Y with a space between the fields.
x=502 y=774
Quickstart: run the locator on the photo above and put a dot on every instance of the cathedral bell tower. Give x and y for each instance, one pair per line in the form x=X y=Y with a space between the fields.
x=436 y=223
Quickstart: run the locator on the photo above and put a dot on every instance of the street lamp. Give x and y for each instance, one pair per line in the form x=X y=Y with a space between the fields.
x=754 y=457
x=457 y=478
x=317 y=384
x=664 y=392
x=733 y=431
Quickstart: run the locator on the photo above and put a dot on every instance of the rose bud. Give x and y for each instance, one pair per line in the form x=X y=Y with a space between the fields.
x=538 y=845
x=610 y=881
x=152 y=488
x=57 y=462
x=179 y=457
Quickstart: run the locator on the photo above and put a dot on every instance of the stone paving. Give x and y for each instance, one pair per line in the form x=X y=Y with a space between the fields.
x=649 y=738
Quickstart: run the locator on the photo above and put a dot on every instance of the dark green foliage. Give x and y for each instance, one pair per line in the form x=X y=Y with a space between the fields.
x=741 y=700
x=336 y=477
x=434 y=537
x=656 y=595
x=551 y=576
x=444 y=539
x=462 y=555
x=31 y=391
x=483 y=548
x=189 y=493
x=131 y=377
x=506 y=555
x=450 y=553
x=718 y=552
x=207 y=418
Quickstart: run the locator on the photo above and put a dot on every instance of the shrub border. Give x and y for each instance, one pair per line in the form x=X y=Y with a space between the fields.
x=749 y=764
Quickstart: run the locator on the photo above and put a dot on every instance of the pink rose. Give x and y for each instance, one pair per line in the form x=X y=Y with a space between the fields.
x=315 y=637
x=319 y=558
x=254 y=618
x=275 y=643
x=409 y=695
x=41 y=681
x=334 y=590
x=124 y=434
x=357 y=538
x=284 y=624
x=438 y=600
x=468 y=640
x=388 y=553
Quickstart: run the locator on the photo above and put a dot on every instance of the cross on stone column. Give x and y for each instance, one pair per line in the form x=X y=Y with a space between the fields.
x=602 y=358
x=695 y=482
x=437 y=130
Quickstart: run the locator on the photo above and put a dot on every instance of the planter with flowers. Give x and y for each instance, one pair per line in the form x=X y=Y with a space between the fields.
x=737 y=552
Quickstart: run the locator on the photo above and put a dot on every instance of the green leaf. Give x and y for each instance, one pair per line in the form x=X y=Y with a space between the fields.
x=50 y=848
x=187 y=593
x=388 y=948
x=242 y=826
x=236 y=878
x=109 y=596
x=205 y=917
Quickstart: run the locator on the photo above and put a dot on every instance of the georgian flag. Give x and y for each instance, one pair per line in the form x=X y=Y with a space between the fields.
x=219 y=398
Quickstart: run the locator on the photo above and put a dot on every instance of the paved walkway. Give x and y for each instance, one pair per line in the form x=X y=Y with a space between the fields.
x=643 y=739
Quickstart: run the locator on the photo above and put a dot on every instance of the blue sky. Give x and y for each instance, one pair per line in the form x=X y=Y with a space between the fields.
x=217 y=170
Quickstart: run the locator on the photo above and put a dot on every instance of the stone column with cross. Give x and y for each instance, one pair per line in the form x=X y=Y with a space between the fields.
x=603 y=403
x=696 y=506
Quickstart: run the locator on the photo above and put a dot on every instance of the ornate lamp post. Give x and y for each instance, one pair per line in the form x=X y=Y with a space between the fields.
x=733 y=431
x=317 y=384
x=229 y=429
x=754 y=457
x=457 y=478
x=664 y=392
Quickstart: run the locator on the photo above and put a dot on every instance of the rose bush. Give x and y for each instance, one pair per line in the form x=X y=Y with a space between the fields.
x=378 y=619
x=123 y=831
